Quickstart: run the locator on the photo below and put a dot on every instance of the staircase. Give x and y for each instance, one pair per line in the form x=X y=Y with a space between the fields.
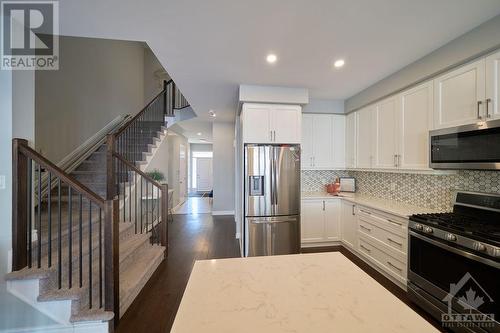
x=84 y=248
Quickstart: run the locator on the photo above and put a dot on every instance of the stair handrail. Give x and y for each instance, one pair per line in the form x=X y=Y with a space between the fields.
x=22 y=221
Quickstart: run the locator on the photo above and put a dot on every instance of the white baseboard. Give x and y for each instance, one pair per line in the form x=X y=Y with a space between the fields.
x=223 y=212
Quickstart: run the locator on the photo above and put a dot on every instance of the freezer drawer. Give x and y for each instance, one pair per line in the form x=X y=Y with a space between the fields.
x=272 y=235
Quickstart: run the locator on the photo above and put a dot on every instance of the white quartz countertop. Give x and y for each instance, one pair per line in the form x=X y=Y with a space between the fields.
x=322 y=292
x=389 y=206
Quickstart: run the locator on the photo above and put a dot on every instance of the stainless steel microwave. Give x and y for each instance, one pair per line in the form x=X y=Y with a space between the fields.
x=475 y=146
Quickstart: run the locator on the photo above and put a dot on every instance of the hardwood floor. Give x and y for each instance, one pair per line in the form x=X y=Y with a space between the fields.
x=191 y=237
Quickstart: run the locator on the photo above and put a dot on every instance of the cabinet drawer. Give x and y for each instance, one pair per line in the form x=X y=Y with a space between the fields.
x=393 y=224
x=388 y=263
x=390 y=239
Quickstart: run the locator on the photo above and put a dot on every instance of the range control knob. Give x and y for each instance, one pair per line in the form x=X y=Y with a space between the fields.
x=418 y=226
x=451 y=237
x=479 y=246
x=428 y=230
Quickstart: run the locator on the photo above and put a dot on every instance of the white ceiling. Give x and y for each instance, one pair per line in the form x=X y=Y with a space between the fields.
x=190 y=129
x=210 y=47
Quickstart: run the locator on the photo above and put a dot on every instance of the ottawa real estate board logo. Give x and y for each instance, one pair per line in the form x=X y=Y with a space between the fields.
x=30 y=35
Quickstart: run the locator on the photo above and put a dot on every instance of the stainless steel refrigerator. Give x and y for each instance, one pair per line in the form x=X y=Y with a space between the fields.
x=272 y=199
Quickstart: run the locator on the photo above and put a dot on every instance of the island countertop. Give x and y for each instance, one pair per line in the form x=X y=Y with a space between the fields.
x=322 y=292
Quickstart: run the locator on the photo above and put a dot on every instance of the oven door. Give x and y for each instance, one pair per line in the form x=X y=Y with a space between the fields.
x=466 y=147
x=447 y=273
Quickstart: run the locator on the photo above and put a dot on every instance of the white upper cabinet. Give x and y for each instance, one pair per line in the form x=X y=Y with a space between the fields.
x=364 y=137
x=323 y=141
x=285 y=123
x=459 y=96
x=256 y=123
x=415 y=121
x=492 y=102
x=385 y=134
x=338 y=143
x=270 y=123
x=350 y=140
x=306 y=159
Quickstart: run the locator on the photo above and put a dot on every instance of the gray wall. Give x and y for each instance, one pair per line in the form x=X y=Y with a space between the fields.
x=324 y=106
x=152 y=83
x=474 y=43
x=98 y=80
x=5 y=170
x=223 y=166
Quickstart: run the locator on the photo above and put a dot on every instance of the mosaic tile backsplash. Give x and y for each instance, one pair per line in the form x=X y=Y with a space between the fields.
x=432 y=191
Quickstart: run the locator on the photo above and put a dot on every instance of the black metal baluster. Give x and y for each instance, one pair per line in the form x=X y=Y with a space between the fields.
x=147 y=206
x=129 y=182
x=59 y=236
x=39 y=221
x=49 y=212
x=158 y=201
x=135 y=201
x=30 y=211
x=70 y=239
x=100 y=258
x=122 y=187
x=90 y=254
x=142 y=180
x=80 y=239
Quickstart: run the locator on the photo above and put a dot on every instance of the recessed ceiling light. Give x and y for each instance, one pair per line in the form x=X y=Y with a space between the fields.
x=199 y=133
x=339 y=63
x=271 y=58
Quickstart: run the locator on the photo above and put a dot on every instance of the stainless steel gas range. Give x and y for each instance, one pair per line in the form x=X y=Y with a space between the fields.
x=454 y=263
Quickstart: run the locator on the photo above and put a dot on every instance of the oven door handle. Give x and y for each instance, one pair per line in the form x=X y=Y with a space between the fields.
x=456 y=251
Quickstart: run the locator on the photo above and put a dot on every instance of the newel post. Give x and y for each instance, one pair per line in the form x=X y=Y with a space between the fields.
x=19 y=205
x=164 y=218
x=112 y=259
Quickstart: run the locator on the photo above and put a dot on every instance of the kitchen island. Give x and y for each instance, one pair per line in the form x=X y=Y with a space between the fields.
x=322 y=292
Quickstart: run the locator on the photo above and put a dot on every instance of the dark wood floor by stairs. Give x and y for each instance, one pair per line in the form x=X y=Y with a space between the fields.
x=202 y=236
x=191 y=237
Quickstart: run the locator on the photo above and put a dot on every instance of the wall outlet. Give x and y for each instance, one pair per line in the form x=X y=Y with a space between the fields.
x=2 y=182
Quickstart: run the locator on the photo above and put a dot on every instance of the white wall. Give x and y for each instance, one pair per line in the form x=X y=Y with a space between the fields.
x=223 y=167
x=98 y=80
x=482 y=39
x=23 y=105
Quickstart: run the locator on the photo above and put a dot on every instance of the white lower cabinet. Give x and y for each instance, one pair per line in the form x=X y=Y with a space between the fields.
x=320 y=221
x=379 y=238
x=348 y=225
x=383 y=241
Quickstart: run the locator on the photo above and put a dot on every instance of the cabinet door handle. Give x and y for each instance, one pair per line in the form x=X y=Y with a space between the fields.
x=270 y=135
x=353 y=210
x=394 y=266
x=363 y=227
x=393 y=241
x=395 y=160
x=365 y=248
x=274 y=136
x=479 y=109
x=488 y=100
x=323 y=205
